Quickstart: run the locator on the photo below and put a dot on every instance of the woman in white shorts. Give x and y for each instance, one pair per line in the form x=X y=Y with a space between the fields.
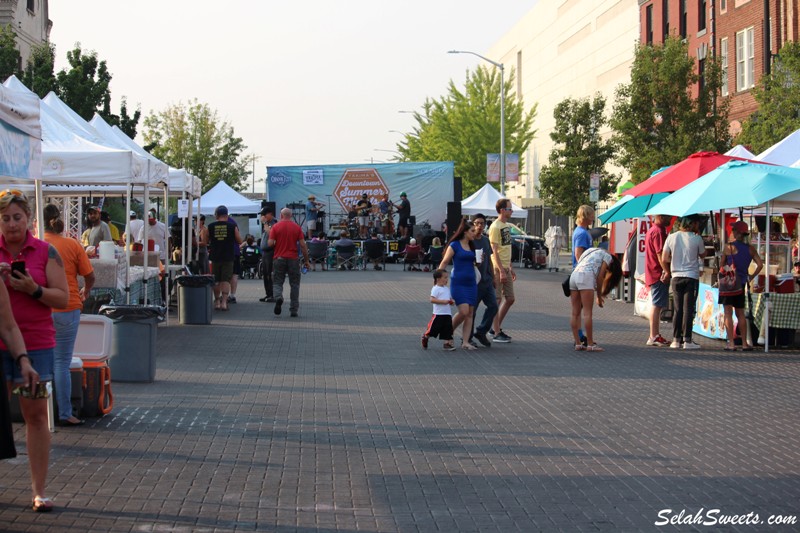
x=597 y=271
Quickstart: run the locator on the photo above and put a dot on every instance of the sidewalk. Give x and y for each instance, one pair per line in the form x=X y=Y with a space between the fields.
x=339 y=421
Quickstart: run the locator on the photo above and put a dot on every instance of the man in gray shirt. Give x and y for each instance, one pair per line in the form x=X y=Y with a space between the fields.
x=98 y=230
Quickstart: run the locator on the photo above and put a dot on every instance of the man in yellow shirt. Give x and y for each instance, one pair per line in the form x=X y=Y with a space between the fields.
x=504 y=275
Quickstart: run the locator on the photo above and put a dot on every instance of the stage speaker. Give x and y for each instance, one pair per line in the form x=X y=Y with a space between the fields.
x=453 y=217
x=271 y=206
x=457 y=191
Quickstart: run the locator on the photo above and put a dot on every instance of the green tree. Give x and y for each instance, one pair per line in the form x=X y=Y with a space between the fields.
x=778 y=97
x=194 y=138
x=85 y=86
x=464 y=126
x=9 y=55
x=656 y=119
x=39 y=75
x=579 y=151
x=128 y=124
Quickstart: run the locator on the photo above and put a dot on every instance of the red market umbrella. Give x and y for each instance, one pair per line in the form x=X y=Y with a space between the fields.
x=680 y=174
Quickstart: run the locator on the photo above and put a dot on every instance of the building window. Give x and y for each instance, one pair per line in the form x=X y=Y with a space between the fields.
x=723 y=6
x=723 y=55
x=701 y=15
x=701 y=74
x=664 y=20
x=31 y=5
x=745 y=59
x=648 y=24
x=683 y=16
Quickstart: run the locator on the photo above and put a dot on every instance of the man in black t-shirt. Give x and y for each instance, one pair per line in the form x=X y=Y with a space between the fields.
x=222 y=234
x=403 y=212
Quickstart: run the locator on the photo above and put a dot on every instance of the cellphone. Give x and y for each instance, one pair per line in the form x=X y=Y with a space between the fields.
x=18 y=266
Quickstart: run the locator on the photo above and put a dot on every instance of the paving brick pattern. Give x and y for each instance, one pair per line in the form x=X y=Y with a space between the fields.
x=339 y=421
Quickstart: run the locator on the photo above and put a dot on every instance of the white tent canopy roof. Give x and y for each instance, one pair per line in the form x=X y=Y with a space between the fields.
x=223 y=194
x=68 y=158
x=484 y=200
x=740 y=151
x=784 y=152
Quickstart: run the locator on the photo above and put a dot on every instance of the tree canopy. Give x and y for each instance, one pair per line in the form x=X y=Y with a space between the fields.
x=194 y=138
x=579 y=151
x=778 y=97
x=39 y=74
x=656 y=119
x=9 y=55
x=465 y=126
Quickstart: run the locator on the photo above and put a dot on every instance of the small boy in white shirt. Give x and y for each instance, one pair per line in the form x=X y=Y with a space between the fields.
x=441 y=324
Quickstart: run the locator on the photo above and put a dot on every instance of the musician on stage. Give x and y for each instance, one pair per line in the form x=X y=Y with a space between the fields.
x=403 y=212
x=385 y=207
x=312 y=215
x=364 y=206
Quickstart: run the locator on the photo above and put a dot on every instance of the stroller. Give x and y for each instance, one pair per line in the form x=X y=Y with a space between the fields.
x=251 y=261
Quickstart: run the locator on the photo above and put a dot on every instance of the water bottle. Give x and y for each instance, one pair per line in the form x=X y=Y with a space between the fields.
x=304 y=270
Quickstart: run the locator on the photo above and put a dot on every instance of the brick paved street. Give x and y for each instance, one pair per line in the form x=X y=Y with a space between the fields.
x=339 y=421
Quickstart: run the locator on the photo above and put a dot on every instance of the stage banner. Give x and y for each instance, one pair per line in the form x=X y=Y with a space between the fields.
x=429 y=187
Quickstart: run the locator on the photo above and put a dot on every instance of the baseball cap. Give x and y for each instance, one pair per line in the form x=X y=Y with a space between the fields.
x=92 y=208
x=132 y=213
x=151 y=213
x=740 y=227
x=312 y=197
x=220 y=210
x=265 y=210
x=403 y=194
x=365 y=194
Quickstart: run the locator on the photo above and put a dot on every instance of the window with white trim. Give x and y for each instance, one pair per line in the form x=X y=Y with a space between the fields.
x=723 y=54
x=745 y=59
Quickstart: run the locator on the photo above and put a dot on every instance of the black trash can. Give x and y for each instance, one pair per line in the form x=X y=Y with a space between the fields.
x=133 y=343
x=195 y=299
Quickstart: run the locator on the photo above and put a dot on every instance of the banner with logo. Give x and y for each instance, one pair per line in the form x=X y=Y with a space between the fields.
x=493 y=167
x=429 y=187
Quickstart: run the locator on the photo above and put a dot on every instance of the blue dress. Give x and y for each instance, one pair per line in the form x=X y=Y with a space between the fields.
x=463 y=285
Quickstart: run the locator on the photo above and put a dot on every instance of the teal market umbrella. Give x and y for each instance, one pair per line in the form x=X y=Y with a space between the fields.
x=631 y=207
x=734 y=184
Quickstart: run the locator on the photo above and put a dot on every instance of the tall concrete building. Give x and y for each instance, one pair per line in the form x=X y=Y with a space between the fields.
x=30 y=19
x=560 y=49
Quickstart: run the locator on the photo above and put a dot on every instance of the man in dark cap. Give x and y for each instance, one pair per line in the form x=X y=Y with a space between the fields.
x=223 y=238
x=403 y=214
x=268 y=253
x=98 y=230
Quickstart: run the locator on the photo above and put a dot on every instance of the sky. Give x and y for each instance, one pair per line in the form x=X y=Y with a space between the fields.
x=302 y=82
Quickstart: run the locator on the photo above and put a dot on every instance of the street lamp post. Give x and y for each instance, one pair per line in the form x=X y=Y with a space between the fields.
x=502 y=115
x=253 y=158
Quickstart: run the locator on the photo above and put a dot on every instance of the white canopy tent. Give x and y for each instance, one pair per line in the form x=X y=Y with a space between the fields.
x=484 y=200
x=223 y=194
x=740 y=151
x=784 y=152
x=20 y=136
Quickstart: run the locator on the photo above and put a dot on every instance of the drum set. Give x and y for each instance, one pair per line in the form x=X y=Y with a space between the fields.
x=383 y=223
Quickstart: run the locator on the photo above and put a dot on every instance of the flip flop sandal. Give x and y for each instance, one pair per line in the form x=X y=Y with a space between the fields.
x=580 y=348
x=594 y=348
x=42 y=505
x=729 y=349
x=468 y=347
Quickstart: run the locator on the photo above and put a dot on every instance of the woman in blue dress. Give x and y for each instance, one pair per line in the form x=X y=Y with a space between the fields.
x=463 y=284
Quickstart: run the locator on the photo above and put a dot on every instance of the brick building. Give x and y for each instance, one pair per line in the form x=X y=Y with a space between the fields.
x=734 y=31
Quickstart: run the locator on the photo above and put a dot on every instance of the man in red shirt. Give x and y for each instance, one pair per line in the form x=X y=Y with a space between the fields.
x=285 y=237
x=656 y=277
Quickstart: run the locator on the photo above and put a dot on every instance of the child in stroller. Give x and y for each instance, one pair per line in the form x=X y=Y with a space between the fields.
x=251 y=258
